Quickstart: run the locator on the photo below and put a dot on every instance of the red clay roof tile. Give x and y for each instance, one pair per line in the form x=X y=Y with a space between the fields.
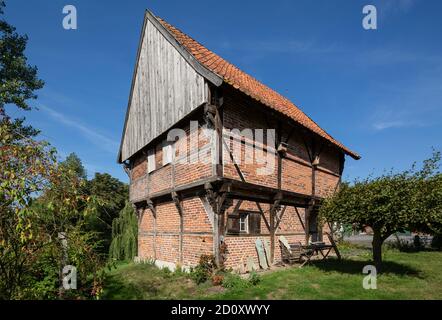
x=249 y=85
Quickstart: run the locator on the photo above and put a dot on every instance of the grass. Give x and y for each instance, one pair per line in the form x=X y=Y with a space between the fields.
x=416 y=275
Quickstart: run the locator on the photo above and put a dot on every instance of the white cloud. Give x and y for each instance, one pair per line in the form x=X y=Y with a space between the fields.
x=383 y=125
x=92 y=135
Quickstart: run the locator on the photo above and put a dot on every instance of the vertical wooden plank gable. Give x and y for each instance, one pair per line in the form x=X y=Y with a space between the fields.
x=166 y=88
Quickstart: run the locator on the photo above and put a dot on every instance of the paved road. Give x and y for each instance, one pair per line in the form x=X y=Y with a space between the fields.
x=366 y=239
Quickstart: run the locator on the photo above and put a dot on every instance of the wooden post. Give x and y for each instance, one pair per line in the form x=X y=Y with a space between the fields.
x=218 y=102
x=181 y=237
x=279 y=155
x=307 y=225
x=272 y=235
x=178 y=203
x=216 y=201
x=273 y=209
x=220 y=200
x=216 y=237
x=152 y=208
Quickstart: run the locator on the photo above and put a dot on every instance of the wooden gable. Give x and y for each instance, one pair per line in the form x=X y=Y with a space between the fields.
x=167 y=85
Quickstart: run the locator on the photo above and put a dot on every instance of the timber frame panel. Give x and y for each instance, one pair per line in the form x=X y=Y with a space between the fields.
x=218 y=190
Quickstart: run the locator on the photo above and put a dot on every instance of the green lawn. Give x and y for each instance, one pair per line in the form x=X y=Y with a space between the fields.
x=415 y=275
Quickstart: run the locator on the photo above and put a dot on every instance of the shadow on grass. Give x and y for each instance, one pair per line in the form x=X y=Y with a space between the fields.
x=355 y=267
x=118 y=289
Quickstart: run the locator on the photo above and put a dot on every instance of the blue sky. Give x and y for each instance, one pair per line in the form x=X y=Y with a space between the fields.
x=379 y=92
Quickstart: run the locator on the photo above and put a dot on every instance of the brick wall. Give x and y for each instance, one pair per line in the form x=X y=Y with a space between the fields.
x=197 y=237
x=239 y=248
x=242 y=113
x=197 y=233
x=186 y=165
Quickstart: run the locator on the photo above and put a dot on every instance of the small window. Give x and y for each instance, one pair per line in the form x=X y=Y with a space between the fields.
x=244 y=222
x=167 y=152
x=243 y=227
x=150 y=160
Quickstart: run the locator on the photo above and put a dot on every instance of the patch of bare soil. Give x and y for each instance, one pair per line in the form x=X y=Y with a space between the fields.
x=216 y=290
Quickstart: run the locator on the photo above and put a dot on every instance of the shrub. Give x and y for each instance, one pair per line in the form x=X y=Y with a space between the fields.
x=166 y=271
x=217 y=279
x=124 y=235
x=254 y=279
x=205 y=269
x=198 y=275
x=234 y=281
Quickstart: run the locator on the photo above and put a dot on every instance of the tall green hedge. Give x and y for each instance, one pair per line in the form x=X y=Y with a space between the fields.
x=124 y=235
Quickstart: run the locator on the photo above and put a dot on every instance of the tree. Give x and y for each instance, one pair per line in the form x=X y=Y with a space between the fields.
x=39 y=198
x=18 y=79
x=25 y=167
x=109 y=196
x=62 y=210
x=393 y=202
x=73 y=162
x=25 y=164
x=124 y=235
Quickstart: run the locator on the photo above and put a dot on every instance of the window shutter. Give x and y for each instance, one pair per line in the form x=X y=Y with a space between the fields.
x=150 y=160
x=167 y=152
x=233 y=224
x=254 y=223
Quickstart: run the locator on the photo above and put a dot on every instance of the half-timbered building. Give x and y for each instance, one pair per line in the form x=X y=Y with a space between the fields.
x=217 y=159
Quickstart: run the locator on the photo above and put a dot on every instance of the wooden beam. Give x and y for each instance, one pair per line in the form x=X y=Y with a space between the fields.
x=153 y=209
x=238 y=169
x=216 y=201
x=263 y=216
x=178 y=203
x=279 y=155
x=278 y=220
x=307 y=226
x=218 y=124
x=210 y=108
x=272 y=236
x=254 y=192
x=300 y=219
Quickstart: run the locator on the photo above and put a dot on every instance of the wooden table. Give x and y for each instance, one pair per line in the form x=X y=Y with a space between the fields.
x=316 y=249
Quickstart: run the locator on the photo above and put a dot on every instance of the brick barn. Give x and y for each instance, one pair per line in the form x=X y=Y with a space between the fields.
x=205 y=192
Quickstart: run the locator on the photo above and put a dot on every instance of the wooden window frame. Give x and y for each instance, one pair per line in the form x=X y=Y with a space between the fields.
x=244 y=215
x=151 y=162
x=168 y=152
x=244 y=222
